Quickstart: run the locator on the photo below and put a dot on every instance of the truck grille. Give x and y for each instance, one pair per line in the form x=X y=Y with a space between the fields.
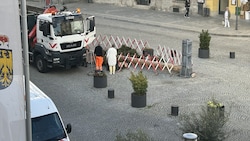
x=71 y=45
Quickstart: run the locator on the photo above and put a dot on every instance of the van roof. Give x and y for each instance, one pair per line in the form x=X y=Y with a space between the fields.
x=40 y=103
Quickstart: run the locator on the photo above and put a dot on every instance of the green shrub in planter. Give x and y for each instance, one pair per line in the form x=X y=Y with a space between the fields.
x=209 y=125
x=205 y=39
x=204 y=51
x=139 y=83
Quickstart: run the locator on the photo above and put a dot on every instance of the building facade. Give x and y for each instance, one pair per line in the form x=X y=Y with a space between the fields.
x=202 y=7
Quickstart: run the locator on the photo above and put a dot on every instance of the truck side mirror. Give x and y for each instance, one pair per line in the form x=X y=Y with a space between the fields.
x=68 y=128
x=92 y=24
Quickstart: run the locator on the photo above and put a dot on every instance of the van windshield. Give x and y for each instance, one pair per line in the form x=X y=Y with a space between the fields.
x=47 y=128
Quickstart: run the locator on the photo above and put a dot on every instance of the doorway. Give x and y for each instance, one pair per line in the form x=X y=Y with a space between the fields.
x=222 y=6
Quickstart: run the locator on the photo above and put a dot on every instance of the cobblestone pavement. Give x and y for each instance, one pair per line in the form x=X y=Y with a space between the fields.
x=220 y=77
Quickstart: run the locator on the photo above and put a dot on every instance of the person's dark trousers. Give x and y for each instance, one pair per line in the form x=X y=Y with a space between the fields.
x=187 y=12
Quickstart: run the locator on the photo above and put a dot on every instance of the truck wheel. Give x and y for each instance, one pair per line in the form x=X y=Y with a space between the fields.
x=41 y=64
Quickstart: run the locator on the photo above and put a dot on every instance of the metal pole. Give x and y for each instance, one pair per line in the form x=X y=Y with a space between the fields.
x=26 y=68
x=236 y=25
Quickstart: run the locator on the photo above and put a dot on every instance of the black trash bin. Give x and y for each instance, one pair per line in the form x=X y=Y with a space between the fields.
x=206 y=12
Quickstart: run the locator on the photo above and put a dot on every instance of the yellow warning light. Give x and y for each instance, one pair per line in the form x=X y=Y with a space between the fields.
x=78 y=10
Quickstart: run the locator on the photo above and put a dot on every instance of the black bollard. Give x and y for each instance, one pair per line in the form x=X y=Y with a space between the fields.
x=174 y=110
x=232 y=54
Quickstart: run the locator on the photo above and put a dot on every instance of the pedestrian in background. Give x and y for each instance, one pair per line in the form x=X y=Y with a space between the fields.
x=98 y=52
x=187 y=6
x=227 y=15
x=112 y=60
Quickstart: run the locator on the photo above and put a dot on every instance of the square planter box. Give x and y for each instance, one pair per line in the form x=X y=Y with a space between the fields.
x=100 y=81
x=138 y=101
x=203 y=53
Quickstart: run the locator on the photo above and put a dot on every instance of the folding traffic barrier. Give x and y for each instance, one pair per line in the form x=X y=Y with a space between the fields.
x=165 y=58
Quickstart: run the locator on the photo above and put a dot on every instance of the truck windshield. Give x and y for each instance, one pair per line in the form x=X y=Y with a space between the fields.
x=47 y=128
x=68 y=25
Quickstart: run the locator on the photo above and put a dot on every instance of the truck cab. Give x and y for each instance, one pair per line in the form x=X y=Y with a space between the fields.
x=46 y=121
x=60 y=39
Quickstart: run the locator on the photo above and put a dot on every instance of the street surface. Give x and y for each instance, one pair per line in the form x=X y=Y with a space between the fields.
x=95 y=117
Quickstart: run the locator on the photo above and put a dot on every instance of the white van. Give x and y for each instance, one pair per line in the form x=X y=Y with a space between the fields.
x=47 y=124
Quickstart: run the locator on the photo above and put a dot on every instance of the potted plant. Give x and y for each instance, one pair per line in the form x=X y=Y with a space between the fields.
x=139 y=85
x=204 y=44
x=100 y=79
x=207 y=123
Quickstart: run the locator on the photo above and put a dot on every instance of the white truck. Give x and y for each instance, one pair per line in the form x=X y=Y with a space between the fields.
x=47 y=124
x=59 y=38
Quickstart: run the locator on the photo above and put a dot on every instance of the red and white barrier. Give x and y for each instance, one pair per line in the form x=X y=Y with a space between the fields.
x=170 y=54
x=165 y=58
x=142 y=62
x=108 y=41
